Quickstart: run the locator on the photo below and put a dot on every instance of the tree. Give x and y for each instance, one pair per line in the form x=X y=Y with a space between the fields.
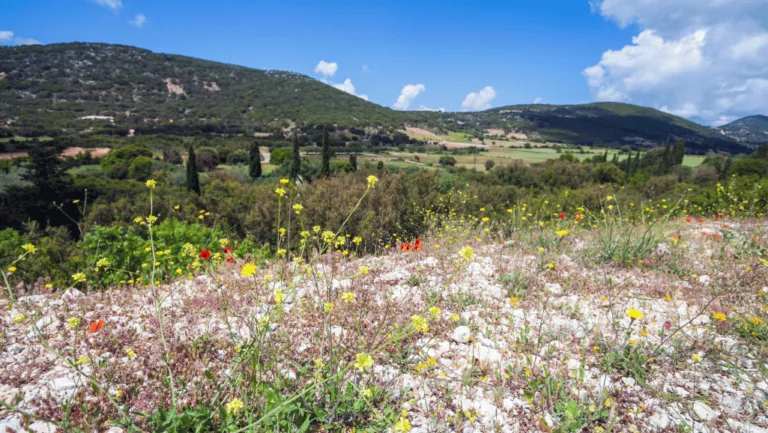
x=446 y=161
x=254 y=161
x=141 y=168
x=353 y=161
x=489 y=164
x=279 y=154
x=295 y=158
x=193 y=179
x=49 y=184
x=325 y=168
x=678 y=153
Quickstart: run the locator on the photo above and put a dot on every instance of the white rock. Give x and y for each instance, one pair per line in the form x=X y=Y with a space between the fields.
x=42 y=427
x=114 y=430
x=704 y=279
x=554 y=289
x=704 y=412
x=486 y=354
x=461 y=334
x=660 y=420
x=72 y=293
x=745 y=428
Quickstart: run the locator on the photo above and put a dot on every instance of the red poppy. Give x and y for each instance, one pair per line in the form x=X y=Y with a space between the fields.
x=230 y=260
x=688 y=220
x=578 y=217
x=562 y=216
x=716 y=236
x=205 y=254
x=406 y=247
x=725 y=226
x=227 y=250
x=701 y=220
x=417 y=245
x=95 y=326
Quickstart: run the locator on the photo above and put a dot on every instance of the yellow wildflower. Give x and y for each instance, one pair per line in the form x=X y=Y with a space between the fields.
x=29 y=248
x=562 y=233
x=347 y=297
x=372 y=181
x=635 y=314
x=467 y=253
x=248 y=270
x=82 y=360
x=11 y=269
x=328 y=307
x=18 y=318
x=151 y=184
x=131 y=354
x=363 y=361
x=73 y=322
x=234 y=406
x=419 y=323
x=279 y=296
x=79 y=277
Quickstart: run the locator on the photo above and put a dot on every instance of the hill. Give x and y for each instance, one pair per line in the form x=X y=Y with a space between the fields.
x=752 y=129
x=77 y=86
x=602 y=123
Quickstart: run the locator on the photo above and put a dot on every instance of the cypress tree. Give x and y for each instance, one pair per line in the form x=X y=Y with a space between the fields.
x=295 y=158
x=679 y=152
x=615 y=159
x=605 y=156
x=325 y=168
x=193 y=180
x=353 y=161
x=254 y=161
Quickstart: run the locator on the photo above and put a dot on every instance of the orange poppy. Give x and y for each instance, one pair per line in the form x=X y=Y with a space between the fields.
x=406 y=247
x=95 y=326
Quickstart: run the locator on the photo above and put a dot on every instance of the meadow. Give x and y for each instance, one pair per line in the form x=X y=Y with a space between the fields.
x=634 y=317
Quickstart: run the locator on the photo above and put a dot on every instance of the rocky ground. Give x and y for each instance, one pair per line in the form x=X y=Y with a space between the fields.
x=514 y=337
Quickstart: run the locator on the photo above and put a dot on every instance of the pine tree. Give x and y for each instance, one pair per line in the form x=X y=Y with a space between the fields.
x=193 y=179
x=295 y=158
x=325 y=168
x=353 y=161
x=254 y=161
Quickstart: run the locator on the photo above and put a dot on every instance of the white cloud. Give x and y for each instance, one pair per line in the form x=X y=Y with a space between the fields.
x=139 y=20
x=702 y=59
x=326 y=69
x=538 y=100
x=115 y=5
x=348 y=87
x=407 y=95
x=6 y=35
x=25 y=41
x=481 y=100
x=425 y=108
x=365 y=68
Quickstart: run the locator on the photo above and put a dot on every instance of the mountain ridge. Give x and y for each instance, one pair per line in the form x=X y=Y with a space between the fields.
x=85 y=87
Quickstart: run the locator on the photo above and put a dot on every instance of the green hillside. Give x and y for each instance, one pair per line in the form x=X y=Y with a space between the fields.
x=55 y=86
x=51 y=90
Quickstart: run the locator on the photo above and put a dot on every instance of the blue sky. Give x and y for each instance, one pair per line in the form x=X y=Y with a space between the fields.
x=554 y=51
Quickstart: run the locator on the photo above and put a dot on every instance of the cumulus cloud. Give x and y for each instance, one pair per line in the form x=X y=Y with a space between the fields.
x=538 y=100
x=326 y=69
x=139 y=20
x=348 y=87
x=704 y=60
x=6 y=35
x=425 y=108
x=407 y=95
x=481 y=100
x=26 y=41
x=115 y=5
